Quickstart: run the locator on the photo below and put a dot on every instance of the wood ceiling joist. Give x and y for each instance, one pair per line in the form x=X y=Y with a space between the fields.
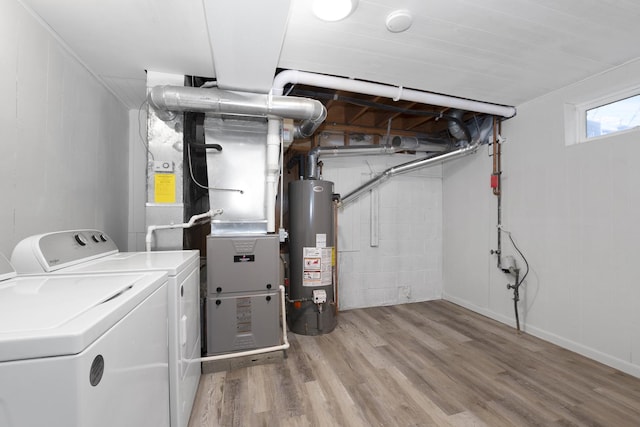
x=418 y=121
x=391 y=116
x=360 y=112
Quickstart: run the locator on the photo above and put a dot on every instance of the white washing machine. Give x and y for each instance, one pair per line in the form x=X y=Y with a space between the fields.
x=83 y=350
x=92 y=251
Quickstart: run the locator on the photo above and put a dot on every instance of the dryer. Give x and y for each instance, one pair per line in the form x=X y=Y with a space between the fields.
x=92 y=251
x=83 y=350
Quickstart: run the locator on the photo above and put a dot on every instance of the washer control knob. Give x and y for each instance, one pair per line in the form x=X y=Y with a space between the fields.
x=103 y=237
x=80 y=239
x=95 y=238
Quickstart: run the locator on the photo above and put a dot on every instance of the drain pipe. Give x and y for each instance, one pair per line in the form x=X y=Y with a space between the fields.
x=393 y=92
x=192 y=221
x=284 y=346
x=407 y=167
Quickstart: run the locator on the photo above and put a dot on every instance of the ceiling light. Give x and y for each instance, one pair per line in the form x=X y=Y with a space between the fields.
x=333 y=10
x=399 y=20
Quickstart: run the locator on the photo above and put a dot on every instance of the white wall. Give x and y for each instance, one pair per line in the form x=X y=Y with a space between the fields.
x=137 y=179
x=573 y=210
x=64 y=139
x=406 y=266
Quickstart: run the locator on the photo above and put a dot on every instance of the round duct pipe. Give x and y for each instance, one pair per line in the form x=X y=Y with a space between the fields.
x=167 y=100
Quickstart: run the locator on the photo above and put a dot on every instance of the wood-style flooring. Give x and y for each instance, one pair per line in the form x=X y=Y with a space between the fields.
x=423 y=364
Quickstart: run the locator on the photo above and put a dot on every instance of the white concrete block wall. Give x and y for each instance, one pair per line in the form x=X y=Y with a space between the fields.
x=64 y=138
x=406 y=266
x=573 y=211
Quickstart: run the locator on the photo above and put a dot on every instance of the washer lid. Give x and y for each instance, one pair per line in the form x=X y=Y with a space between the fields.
x=6 y=270
x=44 y=316
x=173 y=262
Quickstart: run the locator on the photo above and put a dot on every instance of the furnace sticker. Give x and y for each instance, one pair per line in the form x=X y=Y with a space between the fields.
x=165 y=188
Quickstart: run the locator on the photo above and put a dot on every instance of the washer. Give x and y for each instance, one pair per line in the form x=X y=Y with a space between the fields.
x=83 y=350
x=92 y=251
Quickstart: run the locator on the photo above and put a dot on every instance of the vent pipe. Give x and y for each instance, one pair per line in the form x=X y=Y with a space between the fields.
x=407 y=167
x=314 y=155
x=393 y=92
x=480 y=136
x=167 y=100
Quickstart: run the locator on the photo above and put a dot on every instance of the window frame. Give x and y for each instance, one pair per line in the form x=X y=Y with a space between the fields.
x=581 y=114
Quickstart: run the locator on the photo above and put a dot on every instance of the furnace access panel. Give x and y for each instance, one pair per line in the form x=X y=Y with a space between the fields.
x=242 y=306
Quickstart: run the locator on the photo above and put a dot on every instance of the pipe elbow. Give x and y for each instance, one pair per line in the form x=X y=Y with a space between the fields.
x=157 y=100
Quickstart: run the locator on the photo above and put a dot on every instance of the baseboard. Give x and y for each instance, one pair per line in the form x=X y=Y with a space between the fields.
x=589 y=352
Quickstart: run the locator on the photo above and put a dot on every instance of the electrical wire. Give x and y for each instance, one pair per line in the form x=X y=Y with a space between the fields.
x=519 y=281
x=526 y=263
x=201 y=185
x=142 y=139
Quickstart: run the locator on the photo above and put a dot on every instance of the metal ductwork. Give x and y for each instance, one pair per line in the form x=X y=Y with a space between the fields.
x=315 y=153
x=398 y=144
x=168 y=100
x=407 y=167
x=456 y=127
x=409 y=143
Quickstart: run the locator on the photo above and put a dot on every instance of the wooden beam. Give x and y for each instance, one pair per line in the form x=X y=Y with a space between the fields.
x=361 y=112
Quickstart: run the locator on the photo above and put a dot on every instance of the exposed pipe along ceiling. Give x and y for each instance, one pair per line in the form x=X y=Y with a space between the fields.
x=246 y=133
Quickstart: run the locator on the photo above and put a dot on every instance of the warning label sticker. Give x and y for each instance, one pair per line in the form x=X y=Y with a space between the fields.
x=317 y=266
x=312 y=263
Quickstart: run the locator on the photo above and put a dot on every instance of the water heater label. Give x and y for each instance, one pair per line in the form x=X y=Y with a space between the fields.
x=317 y=266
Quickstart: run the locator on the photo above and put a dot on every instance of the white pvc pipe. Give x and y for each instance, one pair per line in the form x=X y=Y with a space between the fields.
x=273 y=169
x=393 y=92
x=195 y=218
x=283 y=346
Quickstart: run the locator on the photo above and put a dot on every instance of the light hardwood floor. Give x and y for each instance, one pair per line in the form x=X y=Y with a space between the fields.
x=423 y=364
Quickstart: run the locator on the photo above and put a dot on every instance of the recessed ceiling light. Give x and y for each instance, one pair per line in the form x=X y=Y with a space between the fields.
x=333 y=10
x=399 y=20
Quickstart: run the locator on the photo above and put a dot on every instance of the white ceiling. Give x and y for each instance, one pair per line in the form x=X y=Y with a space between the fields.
x=502 y=51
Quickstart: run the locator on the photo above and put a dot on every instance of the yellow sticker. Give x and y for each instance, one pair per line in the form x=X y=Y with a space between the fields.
x=165 y=188
x=333 y=256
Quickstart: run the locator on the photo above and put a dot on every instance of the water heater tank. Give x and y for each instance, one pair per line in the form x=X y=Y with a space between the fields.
x=311 y=309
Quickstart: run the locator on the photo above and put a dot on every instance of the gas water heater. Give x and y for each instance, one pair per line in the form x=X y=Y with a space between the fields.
x=311 y=305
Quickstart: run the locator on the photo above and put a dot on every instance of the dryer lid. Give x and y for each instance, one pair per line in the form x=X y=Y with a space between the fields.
x=44 y=316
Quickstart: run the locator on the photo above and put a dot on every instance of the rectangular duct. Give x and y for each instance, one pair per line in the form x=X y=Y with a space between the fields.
x=236 y=174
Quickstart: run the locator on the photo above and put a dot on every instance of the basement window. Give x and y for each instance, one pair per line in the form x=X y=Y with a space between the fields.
x=609 y=116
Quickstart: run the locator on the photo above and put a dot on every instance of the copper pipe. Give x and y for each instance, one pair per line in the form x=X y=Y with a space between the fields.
x=497 y=167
